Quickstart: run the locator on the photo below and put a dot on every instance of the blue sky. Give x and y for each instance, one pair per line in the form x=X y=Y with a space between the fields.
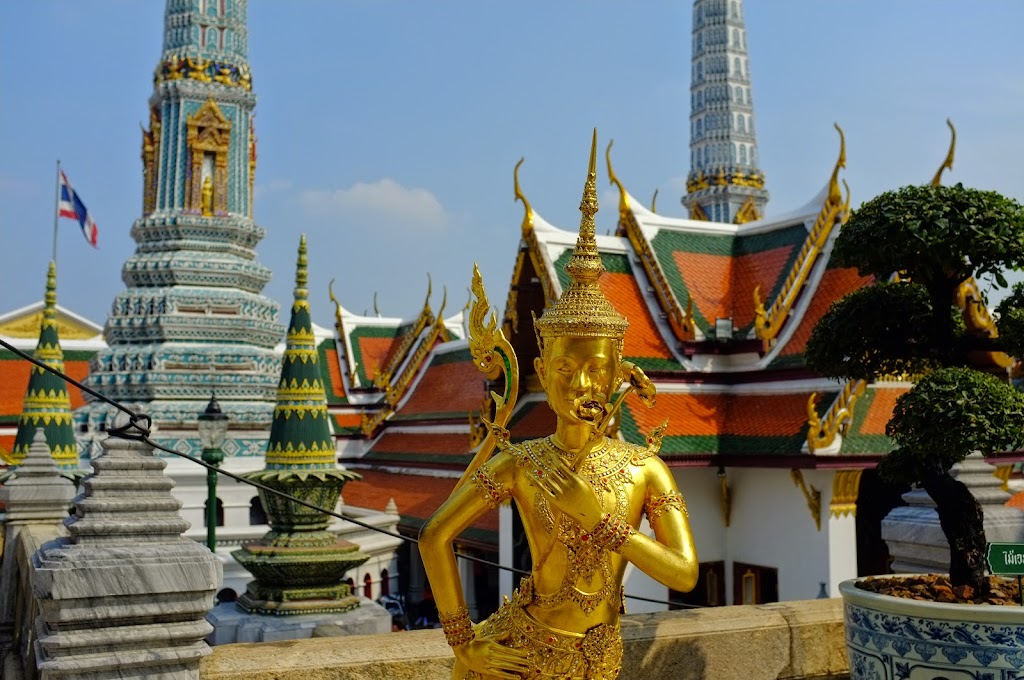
x=388 y=130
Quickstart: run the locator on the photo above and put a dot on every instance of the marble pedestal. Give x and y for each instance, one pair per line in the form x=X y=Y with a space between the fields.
x=126 y=594
x=913 y=533
x=232 y=624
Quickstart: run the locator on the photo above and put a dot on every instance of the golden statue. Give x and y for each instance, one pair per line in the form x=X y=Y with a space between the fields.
x=581 y=495
x=207 y=196
x=197 y=69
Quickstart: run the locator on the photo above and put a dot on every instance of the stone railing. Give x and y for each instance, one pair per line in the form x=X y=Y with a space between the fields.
x=789 y=640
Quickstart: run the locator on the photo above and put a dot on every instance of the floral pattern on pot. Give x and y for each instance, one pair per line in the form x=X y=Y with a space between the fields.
x=888 y=646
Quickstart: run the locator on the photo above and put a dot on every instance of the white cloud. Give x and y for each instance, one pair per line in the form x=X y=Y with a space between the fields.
x=274 y=186
x=381 y=203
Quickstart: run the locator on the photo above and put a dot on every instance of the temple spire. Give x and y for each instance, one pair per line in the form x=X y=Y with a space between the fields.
x=725 y=183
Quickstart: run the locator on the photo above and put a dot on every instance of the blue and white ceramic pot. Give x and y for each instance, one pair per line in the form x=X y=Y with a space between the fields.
x=892 y=638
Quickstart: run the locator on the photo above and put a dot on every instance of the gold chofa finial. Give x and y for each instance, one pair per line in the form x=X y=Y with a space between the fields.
x=301 y=272
x=834 y=193
x=583 y=310
x=948 y=163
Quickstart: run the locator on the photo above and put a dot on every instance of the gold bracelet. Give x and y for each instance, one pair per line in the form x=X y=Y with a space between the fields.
x=458 y=629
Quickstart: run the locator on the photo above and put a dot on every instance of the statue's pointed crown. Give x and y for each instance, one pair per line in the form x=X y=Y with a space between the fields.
x=582 y=310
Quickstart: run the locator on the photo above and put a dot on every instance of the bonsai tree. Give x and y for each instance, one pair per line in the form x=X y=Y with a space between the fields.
x=934 y=239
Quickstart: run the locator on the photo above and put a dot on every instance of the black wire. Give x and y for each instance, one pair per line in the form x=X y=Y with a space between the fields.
x=134 y=431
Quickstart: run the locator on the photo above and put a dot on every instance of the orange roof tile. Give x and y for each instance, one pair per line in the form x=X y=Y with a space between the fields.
x=336 y=385
x=347 y=419
x=425 y=443
x=642 y=337
x=447 y=388
x=416 y=496
x=723 y=286
x=701 y=414
x=537 y=420
x=7 y=443
x=374 y=352
x=834 y=284
x=880 y=410
x=14 y=376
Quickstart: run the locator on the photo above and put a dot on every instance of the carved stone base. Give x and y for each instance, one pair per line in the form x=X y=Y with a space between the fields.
x=278 y=601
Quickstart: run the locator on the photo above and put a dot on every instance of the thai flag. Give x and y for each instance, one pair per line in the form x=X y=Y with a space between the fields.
x=70 y=205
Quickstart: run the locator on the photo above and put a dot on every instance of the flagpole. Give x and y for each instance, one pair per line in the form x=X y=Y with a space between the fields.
x=56 y=212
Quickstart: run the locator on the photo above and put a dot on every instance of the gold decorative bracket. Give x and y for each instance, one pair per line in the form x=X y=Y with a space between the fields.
x=1002 y=473
x=845 y=487
x=822 y=432
x=725 y=496
x=811 y=495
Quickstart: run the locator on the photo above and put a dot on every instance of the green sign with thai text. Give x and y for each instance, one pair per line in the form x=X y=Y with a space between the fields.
x=1006 y=559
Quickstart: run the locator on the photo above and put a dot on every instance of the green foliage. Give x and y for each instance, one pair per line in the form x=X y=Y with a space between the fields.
x=947 y=415
x=934 y=232
x=1010 y=313
x=874 y=331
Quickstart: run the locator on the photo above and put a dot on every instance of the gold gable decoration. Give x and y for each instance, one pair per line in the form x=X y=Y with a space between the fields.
x=27 y=327
x=747 y=212
x=208 y=137
x=697 y=213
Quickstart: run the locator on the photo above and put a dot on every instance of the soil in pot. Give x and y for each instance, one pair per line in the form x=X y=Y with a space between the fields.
x=937 y=588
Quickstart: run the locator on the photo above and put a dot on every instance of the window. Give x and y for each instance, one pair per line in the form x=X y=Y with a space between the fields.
x=257 y=515
x=368 y=587
x=226 y=595
x=737 y=67
x=220 y=512
x=753 y=584
x=385 y=585
x=743 y=154
x=709 y=591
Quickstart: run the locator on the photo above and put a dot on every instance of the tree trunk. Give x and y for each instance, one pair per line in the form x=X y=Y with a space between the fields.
x=962 y=521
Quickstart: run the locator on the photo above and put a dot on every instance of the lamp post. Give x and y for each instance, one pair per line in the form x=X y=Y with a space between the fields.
x=213 y=427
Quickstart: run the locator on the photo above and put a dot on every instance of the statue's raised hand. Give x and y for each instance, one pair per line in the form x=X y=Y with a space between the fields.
x=486 y=655
x=571 y=494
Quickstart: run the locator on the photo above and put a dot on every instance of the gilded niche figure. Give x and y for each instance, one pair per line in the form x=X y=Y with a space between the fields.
x=581 y=496
x=207 y=196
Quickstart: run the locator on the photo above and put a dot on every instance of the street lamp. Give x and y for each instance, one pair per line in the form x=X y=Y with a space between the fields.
x=213 y=427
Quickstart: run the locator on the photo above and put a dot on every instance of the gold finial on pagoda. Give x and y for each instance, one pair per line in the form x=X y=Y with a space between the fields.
x=301 y=271
x=623 y=196
x=50 y=300
x=948 y=163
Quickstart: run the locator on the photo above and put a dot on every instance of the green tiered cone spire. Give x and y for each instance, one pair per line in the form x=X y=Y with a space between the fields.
x=299 y=564
x=47 y=404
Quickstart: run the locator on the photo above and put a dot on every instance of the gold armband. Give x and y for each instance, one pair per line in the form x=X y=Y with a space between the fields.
x=670 y=500
x=458 y=629
x=610 y=533
x=494 y=492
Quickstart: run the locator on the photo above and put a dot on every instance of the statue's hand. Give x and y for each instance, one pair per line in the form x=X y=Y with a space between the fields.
x=487 y=656
x=571 y=494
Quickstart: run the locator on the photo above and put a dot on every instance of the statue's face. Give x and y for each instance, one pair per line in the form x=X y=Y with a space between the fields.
x=576 y=370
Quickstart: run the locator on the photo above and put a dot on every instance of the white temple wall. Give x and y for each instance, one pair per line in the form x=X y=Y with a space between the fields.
x=772 y=527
